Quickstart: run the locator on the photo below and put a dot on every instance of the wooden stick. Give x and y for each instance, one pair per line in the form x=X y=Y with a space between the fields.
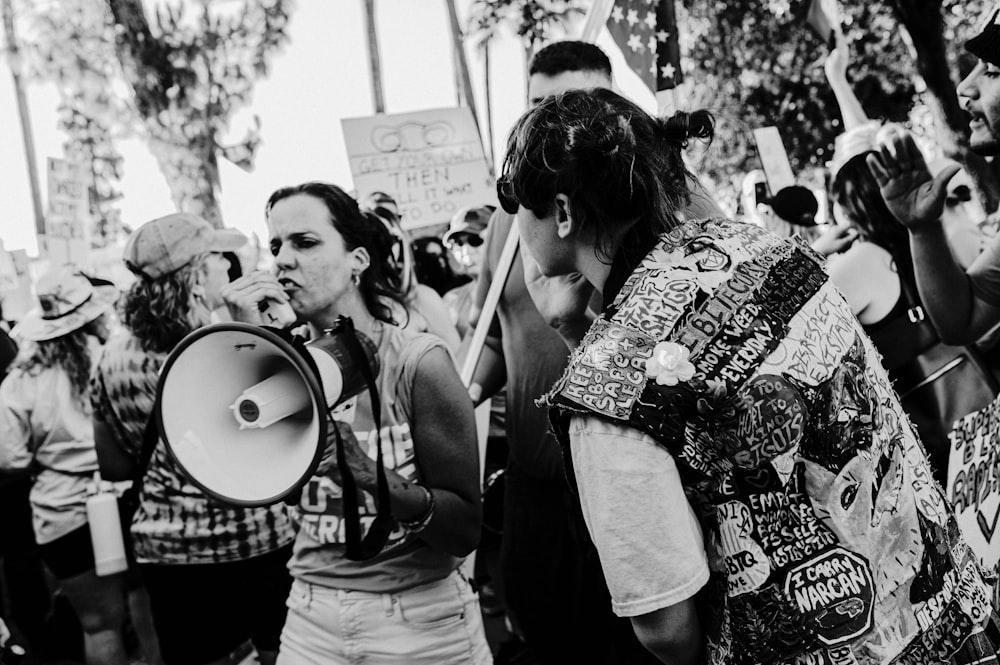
x=490 y=306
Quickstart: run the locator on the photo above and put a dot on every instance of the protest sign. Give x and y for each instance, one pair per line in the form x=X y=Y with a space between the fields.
x=65 y=239
x=974 y=481
x=431 y=162
x=773 y=159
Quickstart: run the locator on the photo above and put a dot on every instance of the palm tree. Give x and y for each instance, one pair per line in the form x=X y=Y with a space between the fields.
x=534 y=21
x=14 y=60
x=374 y=57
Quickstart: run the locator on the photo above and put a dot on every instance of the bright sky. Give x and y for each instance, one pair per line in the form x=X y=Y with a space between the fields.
x=319 y=78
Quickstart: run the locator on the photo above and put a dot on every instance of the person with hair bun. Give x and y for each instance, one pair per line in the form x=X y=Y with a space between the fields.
x=406 y=600
x=751 y=482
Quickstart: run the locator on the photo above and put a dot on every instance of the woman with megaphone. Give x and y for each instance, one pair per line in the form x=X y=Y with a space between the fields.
x=216 y=574
x=394 y=508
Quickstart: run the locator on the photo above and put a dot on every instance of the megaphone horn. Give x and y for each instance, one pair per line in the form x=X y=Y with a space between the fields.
x=243 y=409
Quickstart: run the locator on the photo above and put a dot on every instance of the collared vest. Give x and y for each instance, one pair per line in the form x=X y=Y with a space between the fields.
x=828 y=541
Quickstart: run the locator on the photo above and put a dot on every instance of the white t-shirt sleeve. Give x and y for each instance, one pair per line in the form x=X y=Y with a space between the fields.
x=646 y=533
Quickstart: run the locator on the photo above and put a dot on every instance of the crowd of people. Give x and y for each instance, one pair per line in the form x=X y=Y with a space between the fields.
x=709 y=441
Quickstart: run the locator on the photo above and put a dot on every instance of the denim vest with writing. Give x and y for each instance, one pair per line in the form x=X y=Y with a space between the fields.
x=827 y=539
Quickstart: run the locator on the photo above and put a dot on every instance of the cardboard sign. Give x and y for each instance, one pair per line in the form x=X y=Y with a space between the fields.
x=974 y=481
x=15 y=290
x=65 y=239
x=773 y=158
x=431 y=162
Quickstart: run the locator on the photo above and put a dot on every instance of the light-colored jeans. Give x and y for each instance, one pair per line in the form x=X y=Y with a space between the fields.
x=438 y=623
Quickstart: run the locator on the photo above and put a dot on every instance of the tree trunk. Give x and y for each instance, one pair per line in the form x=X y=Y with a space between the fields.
x=24 y=115
x=923 y=20
x=185 y=153
x=374 y=57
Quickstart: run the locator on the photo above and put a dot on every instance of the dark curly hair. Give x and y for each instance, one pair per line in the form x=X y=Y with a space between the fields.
x=380 y=282
x=71 y=353
x=161 y=312
x=614 y=161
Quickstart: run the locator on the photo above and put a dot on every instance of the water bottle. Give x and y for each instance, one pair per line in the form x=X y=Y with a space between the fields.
x=106 y=529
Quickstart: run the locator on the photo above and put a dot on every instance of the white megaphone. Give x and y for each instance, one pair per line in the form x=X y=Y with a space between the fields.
x=243 y=409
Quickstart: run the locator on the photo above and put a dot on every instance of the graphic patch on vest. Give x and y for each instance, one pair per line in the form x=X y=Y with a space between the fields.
x=645 y=311
x=835 y=591
x=607 y=372
x=772 y=420
x=746 y=563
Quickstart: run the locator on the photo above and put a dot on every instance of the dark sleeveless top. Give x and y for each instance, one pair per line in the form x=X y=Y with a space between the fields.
x=937 y=383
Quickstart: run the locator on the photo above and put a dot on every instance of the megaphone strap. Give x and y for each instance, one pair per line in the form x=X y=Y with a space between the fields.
x=360 y=548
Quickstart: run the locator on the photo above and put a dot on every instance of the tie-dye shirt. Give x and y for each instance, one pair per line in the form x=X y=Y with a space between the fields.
x=175 y=523
x=826 y=537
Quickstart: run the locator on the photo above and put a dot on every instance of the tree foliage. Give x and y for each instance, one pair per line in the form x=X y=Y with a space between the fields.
x=756 y=63
x=535 y=22
x=175 y=78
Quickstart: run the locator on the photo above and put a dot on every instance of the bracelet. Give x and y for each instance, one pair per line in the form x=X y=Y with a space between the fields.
x=419 y=524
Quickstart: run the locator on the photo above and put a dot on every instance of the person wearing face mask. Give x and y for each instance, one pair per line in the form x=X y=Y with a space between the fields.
x=45 y=429
x=216 y=574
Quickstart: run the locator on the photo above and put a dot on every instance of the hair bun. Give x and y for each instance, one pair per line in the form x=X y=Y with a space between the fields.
x=605 y=142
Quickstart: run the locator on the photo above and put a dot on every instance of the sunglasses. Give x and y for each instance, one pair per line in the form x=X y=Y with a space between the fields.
x=469 y=239
x=961 y=194
x=505 y=193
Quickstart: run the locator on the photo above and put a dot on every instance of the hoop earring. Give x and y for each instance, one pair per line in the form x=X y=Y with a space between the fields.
x=356 y=278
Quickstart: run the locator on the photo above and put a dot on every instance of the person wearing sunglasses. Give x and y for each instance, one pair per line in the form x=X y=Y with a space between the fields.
x=752 y=484
x=553 y=587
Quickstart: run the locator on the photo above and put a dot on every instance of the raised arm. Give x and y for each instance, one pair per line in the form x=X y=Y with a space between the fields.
x=917 y=200
x=836 y=74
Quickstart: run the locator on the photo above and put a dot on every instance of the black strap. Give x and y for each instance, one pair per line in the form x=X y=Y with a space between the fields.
x=358 y=547
x=150 y=437
x=915 y=312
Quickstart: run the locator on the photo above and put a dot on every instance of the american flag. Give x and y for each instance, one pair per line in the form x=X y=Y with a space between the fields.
x=646 y=33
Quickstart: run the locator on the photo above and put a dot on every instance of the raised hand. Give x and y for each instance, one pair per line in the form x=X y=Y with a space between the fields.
x=835 y=239
x=912 y=195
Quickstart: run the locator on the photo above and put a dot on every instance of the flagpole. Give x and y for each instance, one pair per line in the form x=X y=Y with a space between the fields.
x=596 y=17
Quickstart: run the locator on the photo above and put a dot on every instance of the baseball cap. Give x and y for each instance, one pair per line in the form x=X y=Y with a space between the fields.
x=986 y=45
x=795 y=204
x=470 y=219
x=850 y=144
x=167 y=244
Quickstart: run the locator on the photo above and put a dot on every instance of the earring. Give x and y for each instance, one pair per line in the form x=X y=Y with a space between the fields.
x=356 y=278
